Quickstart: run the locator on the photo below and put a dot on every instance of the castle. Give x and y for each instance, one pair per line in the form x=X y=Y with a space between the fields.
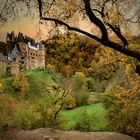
x=20 y=53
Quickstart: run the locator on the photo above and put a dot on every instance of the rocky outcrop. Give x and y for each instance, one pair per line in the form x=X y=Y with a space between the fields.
x=12 y=133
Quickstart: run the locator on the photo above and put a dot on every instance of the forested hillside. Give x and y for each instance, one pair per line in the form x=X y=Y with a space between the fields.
x=84 y=87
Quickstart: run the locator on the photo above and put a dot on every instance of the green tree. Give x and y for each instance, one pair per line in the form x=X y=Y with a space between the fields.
x=79 y=89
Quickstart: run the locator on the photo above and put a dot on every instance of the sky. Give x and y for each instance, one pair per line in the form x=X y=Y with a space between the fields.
x=25 y=25
x=30 y=27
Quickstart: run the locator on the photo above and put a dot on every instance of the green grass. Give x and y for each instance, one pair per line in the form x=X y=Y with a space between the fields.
x=97 y=116
x=39 y=82
x=8 y=85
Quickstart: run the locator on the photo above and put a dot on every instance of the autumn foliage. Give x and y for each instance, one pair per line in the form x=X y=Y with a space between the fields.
x=20 y=83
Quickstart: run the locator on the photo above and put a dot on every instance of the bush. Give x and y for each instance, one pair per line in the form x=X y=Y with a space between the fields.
x=7 y=105
x=85 y=122
x=2 y=85
x=69 y=103
x=49 y=108
x=122 y=118
x=109 y=100
x=20 y=84
x=43 y=113
x=133 y=125
x=26 y=116
x=90 y=82
x=79 y=90
x=125 y=120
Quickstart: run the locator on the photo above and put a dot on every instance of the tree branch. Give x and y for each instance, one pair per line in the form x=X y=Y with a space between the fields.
x=117 y=31
x=121 y=49
x=72 y=28
x=95 y=20
x=104 y=40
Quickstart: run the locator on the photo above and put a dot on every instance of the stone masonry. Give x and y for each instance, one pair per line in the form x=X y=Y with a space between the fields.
x=20 y=53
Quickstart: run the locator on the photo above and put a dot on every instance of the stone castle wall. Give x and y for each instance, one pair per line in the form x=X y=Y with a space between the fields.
x=8 y=67
x=21 y=53
x=3 y=66
x=28 y=59
x=35 y=59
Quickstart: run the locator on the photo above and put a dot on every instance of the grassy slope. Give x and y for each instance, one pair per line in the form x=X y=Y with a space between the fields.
x=40 y=80
x=97 y=116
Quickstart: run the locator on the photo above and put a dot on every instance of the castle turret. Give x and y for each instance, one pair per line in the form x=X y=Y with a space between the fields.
x=20 y=37
x=11 y=37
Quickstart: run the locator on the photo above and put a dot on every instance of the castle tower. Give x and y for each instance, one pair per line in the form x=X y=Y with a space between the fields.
x=41 y=56
x=11 y=37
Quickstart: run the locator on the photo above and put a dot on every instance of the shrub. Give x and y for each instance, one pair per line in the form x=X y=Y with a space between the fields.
x=7 y=105
x=26 y=116
x=85 y=122
x=133 y=125
x=43 y=113
x=2 y=85
x=49 y=108
x=93 y=101
x=79 y=89
x=125 y=120
x=90 y=82
x=20 y=84
x=109 y=100
x=69 y=103
x=122 y=118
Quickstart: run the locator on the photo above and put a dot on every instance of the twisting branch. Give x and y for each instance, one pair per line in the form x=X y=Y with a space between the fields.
x=40 y=7
x=116 y=28
x=65 y=24
x=117 y=31
x=95 y=20
x=104 y=40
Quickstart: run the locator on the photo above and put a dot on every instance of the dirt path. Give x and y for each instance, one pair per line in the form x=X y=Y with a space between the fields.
x=50 y=134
